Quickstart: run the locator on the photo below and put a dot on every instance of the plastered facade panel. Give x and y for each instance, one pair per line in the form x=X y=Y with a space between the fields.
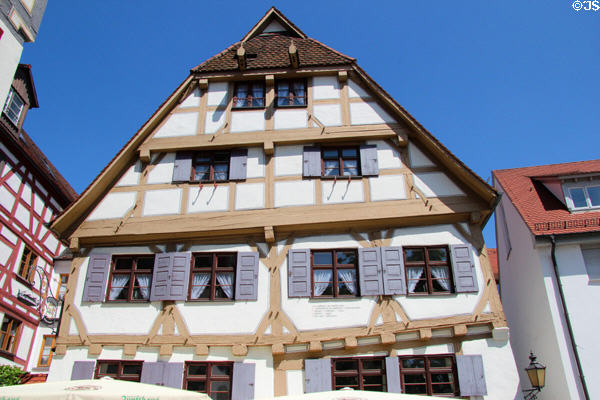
x=217 y=94
x=131 y=177
x=436 y=184
x=14 y=181
x=294 y=193
x=114 y=205
x=328 y=114
x=162 y=171
x=290 y=119
x=249 y=196
x=356 y=91
x=247 y=121
x=295 y=382
x=26 y=193
x=179 y=124
x=255 y=167
x=387 y=187
x=288 y=160
x=388 y=157
x=7 y=200
x=418 y=158
x=11 y=50
x=208 y=198
x=214 y=120
x=193 y=100
x=342 y=191
x=25 y=342
x=5 y=252
x=325 y=87
x=162 y=202
x=365 y=113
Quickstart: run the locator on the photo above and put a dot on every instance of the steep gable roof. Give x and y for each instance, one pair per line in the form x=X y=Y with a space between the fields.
x=541 y=210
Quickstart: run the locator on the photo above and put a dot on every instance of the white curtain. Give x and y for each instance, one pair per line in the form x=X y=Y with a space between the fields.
x=226 y=282
x=443 y=275
x=322 y=281
x=144 y=285
x=349 y=278
x=413 y=278
x=119 y=283
x=199 y=282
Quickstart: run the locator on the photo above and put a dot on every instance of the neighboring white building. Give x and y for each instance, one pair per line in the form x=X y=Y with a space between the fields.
x=548 y=236
x=19 y=23
x=281 y=225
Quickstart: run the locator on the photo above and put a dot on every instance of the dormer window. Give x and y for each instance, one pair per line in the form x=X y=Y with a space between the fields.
x=582 y=195
x=13 y=107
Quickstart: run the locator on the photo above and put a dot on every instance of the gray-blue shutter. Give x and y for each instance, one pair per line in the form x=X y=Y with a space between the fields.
x=160 y=277
x=471 y=378
x=83 y=370
x=171 y=276
x=246 y=276
x=238 y=164
x=394 y=279
x=182 y=169
x=317 y=375
x=368 y=160
x=97 y=275
x=392 y=375
x=299 y=280
x=463 y=268
x=312 y=162
x=370 y=272
x=152 y=372
x=173 y=375
x=243 y=381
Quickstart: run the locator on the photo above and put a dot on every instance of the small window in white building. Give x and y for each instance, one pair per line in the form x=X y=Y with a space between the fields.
x=591 y=257
x=583 y=195
x=13 y=107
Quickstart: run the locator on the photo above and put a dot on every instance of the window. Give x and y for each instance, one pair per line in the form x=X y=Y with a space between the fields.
x=211 y=166
x=340 y=161
x=46 y=351
x=430 y=375
x=249 y=95
x=131 y=278
x=591 y=258
x=62 y=286
x=334 y=273
x=13 y=107
x=122 y=370
x=427 y=270
x=583 y=195
x=9 y=334
x=291 y=93
x=212 y=378
x=213 y=276
x=360 y=373
x=28 y=264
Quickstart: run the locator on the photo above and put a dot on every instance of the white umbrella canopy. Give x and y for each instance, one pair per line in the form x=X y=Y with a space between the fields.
x=96 y=389
x=350 y=394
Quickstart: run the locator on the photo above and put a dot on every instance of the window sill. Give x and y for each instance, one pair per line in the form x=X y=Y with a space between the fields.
x=7 y=355
x=291 y=106
x=341 y=177
x=24 y=281
x=247 y=108
x=430 y=294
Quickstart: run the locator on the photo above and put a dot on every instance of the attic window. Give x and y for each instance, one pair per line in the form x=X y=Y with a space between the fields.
x=582 y=196
x=13 y=107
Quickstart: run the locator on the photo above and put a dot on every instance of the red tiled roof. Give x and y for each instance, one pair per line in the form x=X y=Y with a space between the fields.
x=543 y=213
x=493 y=256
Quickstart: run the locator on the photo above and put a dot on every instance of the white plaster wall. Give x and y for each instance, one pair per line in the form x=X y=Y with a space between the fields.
x=289 y=119
x=328 y=114
x=387 y=156
x=179 y=124
x=342 y=191
x=364 y=113
x=325 y=87
x=249 y=196
x=162 y=172
x=354 y=90
x=255 y=167
x=295 y=382
x=217 y=94
x=208 y=198
x=14 y=181
x=11 y=50
x=62 y=365
x=22 y=215
x=436 y=184
x=417 y=158
x=288 y=160
x=294 y=193
x=113 y=205
x=214 y=120
x=247 y=121
x=387 y=187
x=7 y=200
x=5 y=252
x=131 y=176
x=25 y=342
x=193 y=100
x=162 y=202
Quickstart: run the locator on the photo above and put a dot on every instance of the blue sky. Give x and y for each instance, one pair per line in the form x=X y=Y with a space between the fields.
x=502 y=84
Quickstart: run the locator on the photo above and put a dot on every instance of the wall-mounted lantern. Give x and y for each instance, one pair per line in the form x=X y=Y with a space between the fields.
x=536 y=373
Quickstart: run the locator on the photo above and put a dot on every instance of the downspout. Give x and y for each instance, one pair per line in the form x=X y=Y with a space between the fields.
x=566 y=313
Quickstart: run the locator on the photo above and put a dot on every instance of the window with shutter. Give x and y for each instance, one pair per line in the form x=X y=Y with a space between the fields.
x=119 y=369
x=463 y=268
x=213 y=276
x=299 y=279
x=392 y=260
x=368 y=160
x=471 y=377
x=130 y=278
x=370 y=271
x=427 y=270
x=171 y=276
x=333 y=273
x=83 y=370
x=433 y=375
x=311 y=162
x=97 y=274
x=246 y=277
x=317 y=375
x=243 y=381
x=212 y=378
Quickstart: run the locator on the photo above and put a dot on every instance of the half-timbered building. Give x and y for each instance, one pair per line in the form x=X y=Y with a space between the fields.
x=281 y=225
x=32 y=193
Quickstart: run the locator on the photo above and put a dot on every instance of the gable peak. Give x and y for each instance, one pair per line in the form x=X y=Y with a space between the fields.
x=274 y=22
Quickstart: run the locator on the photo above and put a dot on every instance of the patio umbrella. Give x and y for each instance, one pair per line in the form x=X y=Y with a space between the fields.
x=96 y=389
x=350 y=394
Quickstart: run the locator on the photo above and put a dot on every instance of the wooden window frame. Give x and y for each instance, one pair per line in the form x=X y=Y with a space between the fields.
x=360 y=372
x=119 y=375
x=585 y=186
x=6 y=345
x=208 y=378
x=428 y=371
x=9 y=100
x=213 y=271
x=249 y=97
x=292 y=95
x=39 y=363
x=132 y=273
x=27 y=264
x=211 y=165
x=334 y=269
x=427 y=264
x=340 y=161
